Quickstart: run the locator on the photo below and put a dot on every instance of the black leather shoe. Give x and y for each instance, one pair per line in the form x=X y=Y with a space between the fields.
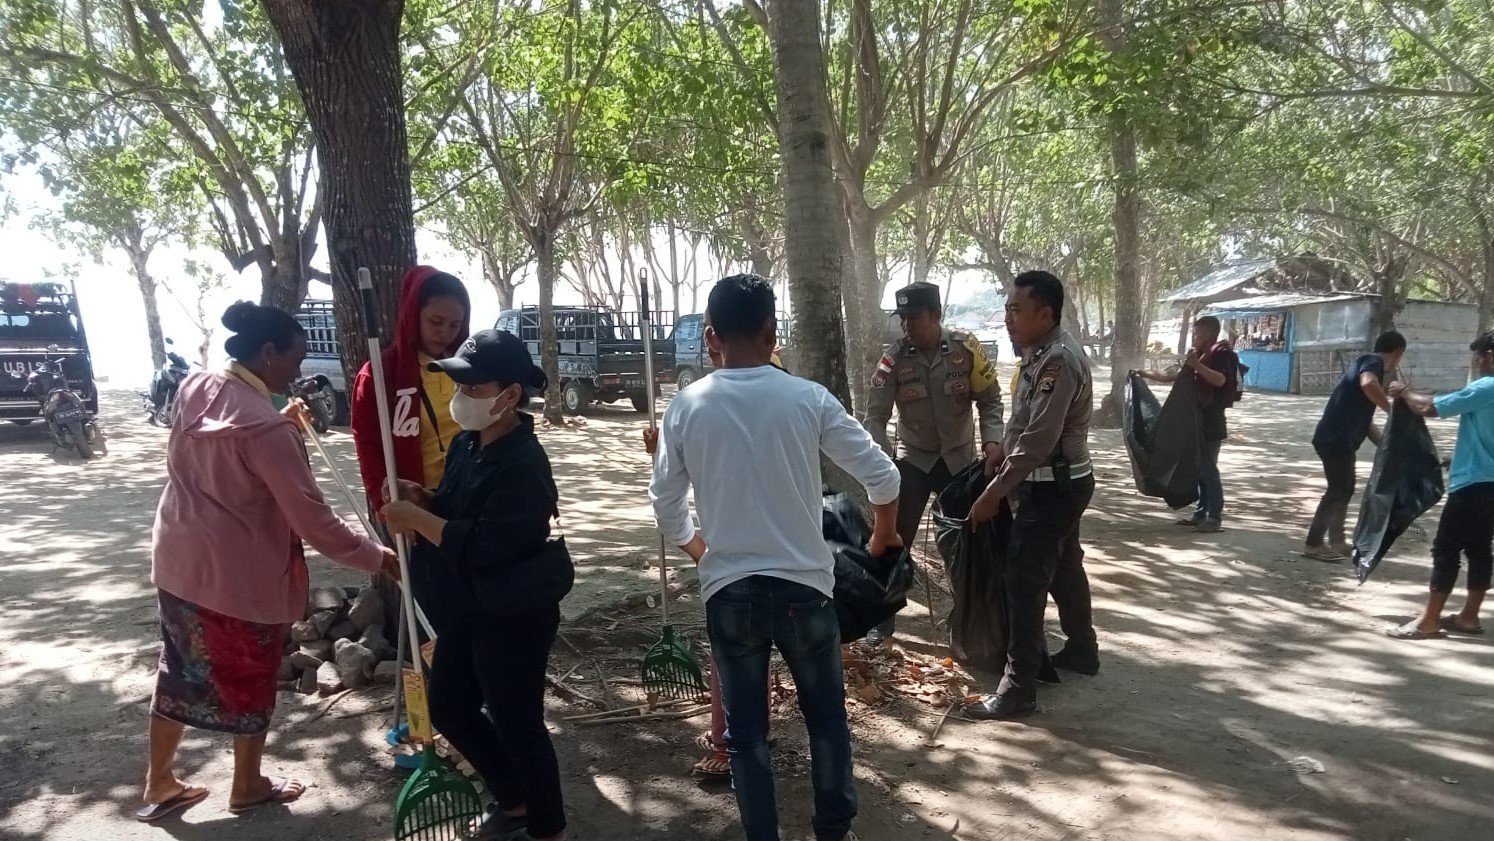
x=1047 y=674
x=1003 y=706
x=1077 y=660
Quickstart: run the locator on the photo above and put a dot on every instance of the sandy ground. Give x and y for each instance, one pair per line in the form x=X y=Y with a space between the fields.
x=1225 y=657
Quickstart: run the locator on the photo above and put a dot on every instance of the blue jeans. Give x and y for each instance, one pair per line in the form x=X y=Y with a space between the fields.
x=746 y=619
x=1210 y=484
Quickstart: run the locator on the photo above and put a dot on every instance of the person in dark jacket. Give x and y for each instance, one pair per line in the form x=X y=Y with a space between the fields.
x=1347 y=420
x=490 y=577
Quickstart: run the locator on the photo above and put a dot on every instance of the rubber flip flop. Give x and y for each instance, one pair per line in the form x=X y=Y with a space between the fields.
x=718 y=764
x=280 y=792
x=1324 y=554
x=1409 y=631
x=1450 y=625
x=189 y=796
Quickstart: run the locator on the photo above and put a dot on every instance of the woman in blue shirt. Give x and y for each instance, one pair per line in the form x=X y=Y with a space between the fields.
x=1467 y=524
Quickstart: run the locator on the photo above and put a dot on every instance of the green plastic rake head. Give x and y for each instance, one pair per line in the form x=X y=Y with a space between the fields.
x=436 y=804
x=670 y=669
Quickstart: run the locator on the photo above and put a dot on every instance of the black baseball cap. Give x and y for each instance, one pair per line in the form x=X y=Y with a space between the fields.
x=492 y=356
x=917 y=297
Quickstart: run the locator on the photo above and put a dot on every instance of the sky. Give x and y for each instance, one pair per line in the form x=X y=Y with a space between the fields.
x=114 y=313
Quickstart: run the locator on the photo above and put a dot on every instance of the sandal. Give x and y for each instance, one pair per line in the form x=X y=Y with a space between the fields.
x=188 y=796
x=715 y=764
x=1409 y=631
x=1450 y=624
x=282 y=790
x=1323 y=553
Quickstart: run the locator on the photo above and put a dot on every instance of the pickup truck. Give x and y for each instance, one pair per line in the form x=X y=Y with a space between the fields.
x=40 y=322
x=324 y=354
x=601 y=353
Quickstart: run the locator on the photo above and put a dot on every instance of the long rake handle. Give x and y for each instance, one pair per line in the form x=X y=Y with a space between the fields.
x=646 y=319
x=386 y=434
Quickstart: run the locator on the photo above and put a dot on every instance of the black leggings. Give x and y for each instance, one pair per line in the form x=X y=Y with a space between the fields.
x=1466 y=528
x=501 y=663
x=1338 y=467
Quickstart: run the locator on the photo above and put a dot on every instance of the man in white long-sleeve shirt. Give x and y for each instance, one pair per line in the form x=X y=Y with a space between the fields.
x=748 y=439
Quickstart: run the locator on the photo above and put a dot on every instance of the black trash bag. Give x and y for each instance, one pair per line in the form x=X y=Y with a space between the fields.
x=868 y=590
x=975 y=563
x=1163 y=441
x=1405 y=481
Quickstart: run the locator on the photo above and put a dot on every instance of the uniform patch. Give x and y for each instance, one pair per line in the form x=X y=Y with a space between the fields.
x=879 y=379
x=1048 y=375
x=883 y=373
x=957 y=359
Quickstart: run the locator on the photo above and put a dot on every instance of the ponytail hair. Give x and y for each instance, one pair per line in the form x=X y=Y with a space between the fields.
x=254 y=326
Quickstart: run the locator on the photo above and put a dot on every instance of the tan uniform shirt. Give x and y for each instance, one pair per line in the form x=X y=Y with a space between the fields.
x=1050 y=412
x=933 y=393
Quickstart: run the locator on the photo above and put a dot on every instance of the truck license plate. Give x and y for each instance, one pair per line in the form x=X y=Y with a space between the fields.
x=70 y=414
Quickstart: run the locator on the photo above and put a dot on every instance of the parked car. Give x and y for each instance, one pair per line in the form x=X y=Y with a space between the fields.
x=41 y=328
x=601 y=353
x=691 y=361
x=324 y=357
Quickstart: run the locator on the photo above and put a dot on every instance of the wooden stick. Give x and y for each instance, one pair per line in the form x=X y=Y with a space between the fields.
x=625 y=712
x=569 y=693
x=323 y=711
x=670 y=716
x=943 y=718
x=606 y=690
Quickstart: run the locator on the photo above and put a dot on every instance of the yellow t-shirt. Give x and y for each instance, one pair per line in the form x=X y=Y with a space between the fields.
x=434 y=442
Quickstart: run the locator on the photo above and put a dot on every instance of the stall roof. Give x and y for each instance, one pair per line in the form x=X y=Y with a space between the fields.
x=1273 y=303
x=1221 y=280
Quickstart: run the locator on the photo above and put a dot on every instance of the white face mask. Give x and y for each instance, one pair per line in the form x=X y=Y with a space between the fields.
x=475 y=413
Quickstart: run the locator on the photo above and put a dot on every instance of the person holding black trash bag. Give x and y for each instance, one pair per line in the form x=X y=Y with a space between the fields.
x=491 y=577
x=1467 y=524
x=1347 y=420
x=1046 y=479
x=934 y=376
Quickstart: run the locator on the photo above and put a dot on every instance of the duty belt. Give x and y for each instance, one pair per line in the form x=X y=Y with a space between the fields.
x=1045 y=474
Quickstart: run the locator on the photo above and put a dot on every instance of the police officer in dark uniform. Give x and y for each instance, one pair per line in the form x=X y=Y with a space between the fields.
x=1046 y=480
x=933 y=376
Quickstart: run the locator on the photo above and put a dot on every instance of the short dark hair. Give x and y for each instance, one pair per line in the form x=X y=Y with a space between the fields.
x=1209 y=322
x=1484 y=343
x=253 y=326
x=1046 y=288
x=741 y=306
x=443 y=285
x=1390 y=342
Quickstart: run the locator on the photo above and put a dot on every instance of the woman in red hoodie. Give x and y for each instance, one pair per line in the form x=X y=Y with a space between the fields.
x=434 y=314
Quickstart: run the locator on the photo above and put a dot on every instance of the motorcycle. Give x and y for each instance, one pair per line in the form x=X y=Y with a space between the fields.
x=158 y=402
x=320 y=398
x=67 y=417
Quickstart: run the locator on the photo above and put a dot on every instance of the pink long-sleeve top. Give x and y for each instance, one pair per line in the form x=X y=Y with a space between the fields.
x=239 y=499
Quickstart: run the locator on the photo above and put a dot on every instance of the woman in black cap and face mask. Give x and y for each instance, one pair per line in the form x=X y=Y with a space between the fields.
x=489 y=575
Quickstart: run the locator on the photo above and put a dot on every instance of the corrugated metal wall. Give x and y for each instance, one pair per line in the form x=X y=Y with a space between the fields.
x=1437 y=336
x=1324 y=338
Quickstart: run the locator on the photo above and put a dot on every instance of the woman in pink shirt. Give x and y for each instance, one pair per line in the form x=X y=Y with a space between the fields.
x=227 y=559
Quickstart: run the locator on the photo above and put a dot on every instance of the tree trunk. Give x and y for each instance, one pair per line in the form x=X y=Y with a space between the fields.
x=1486 y=249
x=674 y=269
x=1130 y=337
x=134 y=246
x=814 y=218
x=812 y=208
x=864 y=304
x=345 y=56
x=544 y=256
x=500 y=277
x=282 y=287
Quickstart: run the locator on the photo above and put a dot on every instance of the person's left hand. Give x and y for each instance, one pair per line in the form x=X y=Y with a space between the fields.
x=1396 y=389
x=390 y=569
x=985 y=508
x=995 y=455
x=298 y=413
x=400 y=516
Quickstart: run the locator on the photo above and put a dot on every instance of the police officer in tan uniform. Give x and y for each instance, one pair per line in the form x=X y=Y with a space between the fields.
x=1046 y=480
x=932 y=375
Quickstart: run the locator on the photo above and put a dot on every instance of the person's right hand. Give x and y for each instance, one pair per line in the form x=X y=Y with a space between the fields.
x=391 y=564
x=651 y=440
x=409 y=492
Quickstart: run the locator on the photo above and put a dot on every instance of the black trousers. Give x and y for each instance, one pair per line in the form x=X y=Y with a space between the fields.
x=912 y=502
x=1466 y=528
x=500 y=663
x=1045 y=557
x=1333 y=508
